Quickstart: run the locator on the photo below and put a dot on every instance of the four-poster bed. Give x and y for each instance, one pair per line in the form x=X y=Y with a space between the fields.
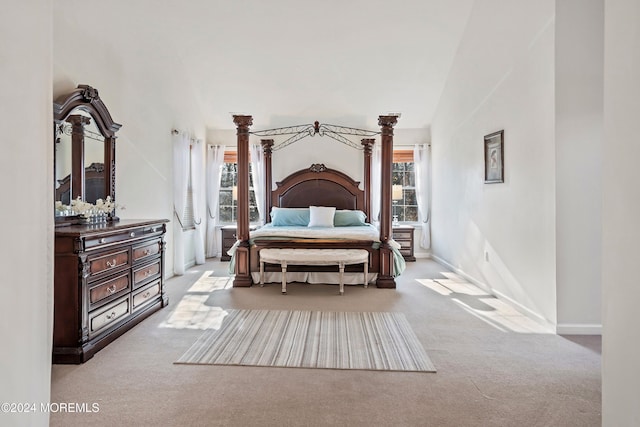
x=317 y=186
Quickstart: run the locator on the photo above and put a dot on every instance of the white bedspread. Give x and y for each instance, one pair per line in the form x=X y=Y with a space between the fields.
x=368 y=232
x=365 y=233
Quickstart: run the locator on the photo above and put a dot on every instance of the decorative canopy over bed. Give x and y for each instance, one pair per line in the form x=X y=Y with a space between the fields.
x=317 y=186
x=302 y=131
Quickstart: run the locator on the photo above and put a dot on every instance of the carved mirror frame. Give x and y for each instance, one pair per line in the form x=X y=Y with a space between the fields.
x=87 y=99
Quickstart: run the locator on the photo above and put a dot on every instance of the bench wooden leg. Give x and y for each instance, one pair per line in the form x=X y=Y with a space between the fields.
x=261 y=273
x=341 y=265
x=366 y=274
x=284 y=277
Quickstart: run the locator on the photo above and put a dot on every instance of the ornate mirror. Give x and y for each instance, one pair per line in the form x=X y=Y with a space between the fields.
x=85 y=148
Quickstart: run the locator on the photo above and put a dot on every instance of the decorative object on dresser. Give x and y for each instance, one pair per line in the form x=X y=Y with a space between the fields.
x=108 y=276
x=403 y=234
x=396 y=195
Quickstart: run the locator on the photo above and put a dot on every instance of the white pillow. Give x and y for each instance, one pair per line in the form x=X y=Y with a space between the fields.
x=321 y=216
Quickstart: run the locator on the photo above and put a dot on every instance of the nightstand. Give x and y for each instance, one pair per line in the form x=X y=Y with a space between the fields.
x=229 y=238
x=403 y=234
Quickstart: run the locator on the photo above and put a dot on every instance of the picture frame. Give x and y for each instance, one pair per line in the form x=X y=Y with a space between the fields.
x=494 y=157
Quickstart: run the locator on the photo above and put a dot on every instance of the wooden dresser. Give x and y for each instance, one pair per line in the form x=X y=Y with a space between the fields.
x=403 y=234
x=108 y=278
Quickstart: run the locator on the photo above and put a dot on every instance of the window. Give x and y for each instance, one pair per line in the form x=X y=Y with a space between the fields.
x=228 y=186
x=405 y=206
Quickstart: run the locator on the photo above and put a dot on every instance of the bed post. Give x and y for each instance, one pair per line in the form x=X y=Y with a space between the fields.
x=385 y=276
x=267 y=145
x=367 y=145
x=243 y=275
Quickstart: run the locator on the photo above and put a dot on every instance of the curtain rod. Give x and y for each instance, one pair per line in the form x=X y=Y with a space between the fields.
x=192 y=139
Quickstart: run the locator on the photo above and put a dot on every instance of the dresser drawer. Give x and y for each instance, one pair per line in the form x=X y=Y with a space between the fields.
x=108 y=262
x=145 y=273
x=407 y=252
x=94 y=242
x=402 y=234
x=110 y=288
x=404 y=244
x=149 y=293
x=148 y=250
x=102 y=318
x=229 y=233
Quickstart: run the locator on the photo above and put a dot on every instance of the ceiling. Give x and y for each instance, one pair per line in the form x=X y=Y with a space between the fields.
x=290 y=62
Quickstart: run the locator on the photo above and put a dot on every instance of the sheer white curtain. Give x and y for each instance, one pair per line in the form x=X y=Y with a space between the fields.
x=376 y=163
x=181 y=145
x=257 y=172
x=215 y=160
x=196 y=190
x=422 y=168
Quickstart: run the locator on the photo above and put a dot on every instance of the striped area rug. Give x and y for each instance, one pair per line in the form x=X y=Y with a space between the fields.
x=312 y=339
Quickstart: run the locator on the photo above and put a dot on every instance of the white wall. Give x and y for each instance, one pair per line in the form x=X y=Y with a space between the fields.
x=620 y=213
x=148 y=101
x=26 y=218
x=579 y=91
x=324 y=150
x=502 y=78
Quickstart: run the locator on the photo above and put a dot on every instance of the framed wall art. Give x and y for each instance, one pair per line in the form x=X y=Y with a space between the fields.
x=494 y=157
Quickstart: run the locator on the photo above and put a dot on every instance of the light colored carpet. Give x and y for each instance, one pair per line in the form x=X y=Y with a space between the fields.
x=495 y=369
x=312 y=339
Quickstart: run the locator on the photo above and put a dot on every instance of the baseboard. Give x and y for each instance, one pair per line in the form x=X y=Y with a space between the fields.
x=578 y=329
x=459 y=272
x=422 y=255
x=513 y=303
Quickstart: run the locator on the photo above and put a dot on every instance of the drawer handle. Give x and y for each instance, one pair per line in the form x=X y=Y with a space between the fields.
x=111 y=315
x=111 y=289
x=146 y=252
x=132 y=234
x=148 y=272
x=154 y=229
x=112 y=263
x=103 y=240
x=146 y=295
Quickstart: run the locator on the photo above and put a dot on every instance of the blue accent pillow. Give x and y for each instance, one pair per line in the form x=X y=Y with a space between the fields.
x=287 y=217
x=347 y=218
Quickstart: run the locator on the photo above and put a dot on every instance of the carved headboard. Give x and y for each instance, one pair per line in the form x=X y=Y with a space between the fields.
x=318 y=186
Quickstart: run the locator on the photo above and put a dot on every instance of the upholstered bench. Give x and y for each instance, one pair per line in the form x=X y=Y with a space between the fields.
x=339 y=257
